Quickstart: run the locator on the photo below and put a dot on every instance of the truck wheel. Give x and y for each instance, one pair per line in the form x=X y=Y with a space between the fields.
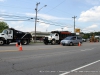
x=8 y=43
x=45 y=43
x=1 y=42
x=53 y=42
x=24 y=42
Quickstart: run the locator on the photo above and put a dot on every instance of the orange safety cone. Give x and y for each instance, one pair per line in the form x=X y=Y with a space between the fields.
x=79 y=44
x=20 y=47
x=16 y=44
x=97 y=41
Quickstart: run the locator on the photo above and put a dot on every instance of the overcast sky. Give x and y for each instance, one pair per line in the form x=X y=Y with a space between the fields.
x=57 y=15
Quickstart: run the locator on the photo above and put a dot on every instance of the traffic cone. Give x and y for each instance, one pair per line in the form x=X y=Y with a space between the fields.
x=20 y=47
x=16 y=44
x=79 y=44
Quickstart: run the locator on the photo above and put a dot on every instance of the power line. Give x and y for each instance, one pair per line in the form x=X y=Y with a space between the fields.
x=56 y=23
x=22 y=18
x=14 y=16
x=13 y=20
x=57 y=5
x=58 y=9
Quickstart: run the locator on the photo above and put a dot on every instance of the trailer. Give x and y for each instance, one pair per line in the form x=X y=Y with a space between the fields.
x=56 y=36
x=11 y=35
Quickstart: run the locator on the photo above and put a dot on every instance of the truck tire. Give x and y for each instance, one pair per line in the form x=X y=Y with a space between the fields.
x=1 y=42
x=45 y=43
x=8 y=43
x=53 y=42
x=24 y=42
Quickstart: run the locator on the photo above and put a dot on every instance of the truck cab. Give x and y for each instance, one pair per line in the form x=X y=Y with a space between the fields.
x=7 y=34
x=52 y=38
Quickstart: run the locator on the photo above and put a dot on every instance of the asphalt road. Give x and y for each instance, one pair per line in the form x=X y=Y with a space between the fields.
x=50 y=60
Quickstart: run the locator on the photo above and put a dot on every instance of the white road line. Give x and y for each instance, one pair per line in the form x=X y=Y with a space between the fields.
x=8 y=51
x=80 y=68
x=87 y=49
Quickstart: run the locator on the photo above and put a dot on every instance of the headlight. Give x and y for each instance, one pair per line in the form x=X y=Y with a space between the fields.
x=66 y=41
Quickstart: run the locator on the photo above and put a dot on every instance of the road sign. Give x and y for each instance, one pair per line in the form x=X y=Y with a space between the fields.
x=77 y=30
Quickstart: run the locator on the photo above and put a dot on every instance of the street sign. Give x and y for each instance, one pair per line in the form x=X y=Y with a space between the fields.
x=77 y=30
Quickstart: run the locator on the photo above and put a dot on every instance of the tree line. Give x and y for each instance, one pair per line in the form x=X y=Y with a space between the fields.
x=3 y=25
x=88 y=35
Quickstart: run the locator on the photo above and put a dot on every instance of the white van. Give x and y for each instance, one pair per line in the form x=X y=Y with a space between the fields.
x=71 y=40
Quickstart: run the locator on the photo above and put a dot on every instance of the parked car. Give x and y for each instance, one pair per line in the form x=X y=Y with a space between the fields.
x=84 y=40
x=71 y=40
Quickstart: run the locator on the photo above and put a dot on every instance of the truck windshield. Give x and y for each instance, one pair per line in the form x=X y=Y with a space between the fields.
x=52 y=34
x=5 y=31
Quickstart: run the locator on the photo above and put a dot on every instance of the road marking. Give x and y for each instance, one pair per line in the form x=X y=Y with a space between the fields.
x=80 y=68
x=8 y=51
x=50 y=48
x=87 y=49
x=43 y=48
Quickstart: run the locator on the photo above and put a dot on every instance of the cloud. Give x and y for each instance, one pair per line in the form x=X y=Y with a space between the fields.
x=1 y=19
x=19 y=25
x=93 y=2
x=44 y=25
x=45 y=21
x=30 y=14
x=49 y=17
x=91 y=28
x=64 y=29
x=2 y=11
x=46 y=17
x=92 y=14
x=2 y=0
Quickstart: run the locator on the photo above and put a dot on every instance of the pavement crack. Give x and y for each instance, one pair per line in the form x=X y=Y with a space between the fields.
x=13 y=67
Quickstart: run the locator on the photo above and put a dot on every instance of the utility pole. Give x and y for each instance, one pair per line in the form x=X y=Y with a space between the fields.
x=62 y=29
x=74 y=22
x=36 y=20
x=36 y=9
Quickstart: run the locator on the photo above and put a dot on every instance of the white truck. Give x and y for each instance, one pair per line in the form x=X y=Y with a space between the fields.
x=56 y=36
x=11 y=35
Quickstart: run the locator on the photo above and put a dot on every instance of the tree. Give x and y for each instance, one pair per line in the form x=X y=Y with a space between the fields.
x=3 y=25
x=85 y=36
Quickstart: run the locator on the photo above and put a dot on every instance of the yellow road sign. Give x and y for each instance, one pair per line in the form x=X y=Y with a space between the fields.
x=77 y=30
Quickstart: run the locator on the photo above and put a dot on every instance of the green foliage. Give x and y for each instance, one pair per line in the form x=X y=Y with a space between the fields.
x=85 y=36
x=88 y=35
x=3 y=25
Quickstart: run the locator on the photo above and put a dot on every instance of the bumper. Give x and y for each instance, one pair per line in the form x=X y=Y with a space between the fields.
x=64 y=44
